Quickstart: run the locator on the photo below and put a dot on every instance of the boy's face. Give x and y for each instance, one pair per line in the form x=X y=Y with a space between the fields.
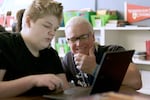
x=80 y=39
x=43 y=30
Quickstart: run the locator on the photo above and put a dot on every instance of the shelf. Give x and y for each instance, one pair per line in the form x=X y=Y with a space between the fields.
x=126 y=28
x=63 y=28
x=104 y=28
x=139 y=61
x=115 y=28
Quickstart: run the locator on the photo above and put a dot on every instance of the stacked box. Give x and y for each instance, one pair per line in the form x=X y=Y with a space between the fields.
x=99 y=20
x=104 y=19
x=69 y=14
x=96 y=20
x=85 y=14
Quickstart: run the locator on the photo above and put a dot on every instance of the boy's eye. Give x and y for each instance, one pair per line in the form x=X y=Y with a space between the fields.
x=55 y=29
x=47 y=26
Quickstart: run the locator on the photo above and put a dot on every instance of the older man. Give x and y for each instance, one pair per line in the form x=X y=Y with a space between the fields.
x=81 y=63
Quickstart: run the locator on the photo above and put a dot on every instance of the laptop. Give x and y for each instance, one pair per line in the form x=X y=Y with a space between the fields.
x=109 y=76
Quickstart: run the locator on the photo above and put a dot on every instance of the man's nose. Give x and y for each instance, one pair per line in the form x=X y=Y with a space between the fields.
x=78 y=42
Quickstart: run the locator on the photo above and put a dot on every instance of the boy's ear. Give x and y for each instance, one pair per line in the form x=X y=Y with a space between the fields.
x=28 y=21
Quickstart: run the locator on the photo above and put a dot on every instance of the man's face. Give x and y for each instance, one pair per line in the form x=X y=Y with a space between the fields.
x=80 y=39
x=43 y=30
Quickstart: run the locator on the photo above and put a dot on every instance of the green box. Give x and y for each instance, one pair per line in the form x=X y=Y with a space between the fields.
x=62 y=48
x=95 y=20
x=68 y=14
x=104 y=19
x=99 y=19
x=86 y=15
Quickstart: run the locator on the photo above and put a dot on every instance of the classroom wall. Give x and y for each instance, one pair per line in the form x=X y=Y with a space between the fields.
x=119 y=6
x=106 y=4
x=79 y=4
x=13 y=5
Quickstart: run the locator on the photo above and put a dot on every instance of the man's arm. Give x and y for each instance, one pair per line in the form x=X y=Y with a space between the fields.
x=133 y=77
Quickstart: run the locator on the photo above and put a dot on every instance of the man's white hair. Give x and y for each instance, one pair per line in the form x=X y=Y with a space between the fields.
x=77 y=20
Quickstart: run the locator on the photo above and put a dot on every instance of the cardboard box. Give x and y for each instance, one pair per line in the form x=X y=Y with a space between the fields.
x=102 y=12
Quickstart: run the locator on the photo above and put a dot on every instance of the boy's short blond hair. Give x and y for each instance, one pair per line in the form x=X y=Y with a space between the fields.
x=41 y=8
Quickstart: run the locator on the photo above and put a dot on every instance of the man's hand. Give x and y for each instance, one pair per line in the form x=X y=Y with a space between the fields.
x=86 y=63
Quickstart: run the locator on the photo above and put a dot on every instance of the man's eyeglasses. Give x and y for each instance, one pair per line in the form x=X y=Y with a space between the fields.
x=81 y=38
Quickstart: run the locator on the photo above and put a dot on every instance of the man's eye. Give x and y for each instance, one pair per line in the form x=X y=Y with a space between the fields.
x=84 y=36
x=73 y=39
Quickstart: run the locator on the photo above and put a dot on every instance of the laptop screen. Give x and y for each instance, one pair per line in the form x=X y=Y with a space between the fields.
x=111 y=71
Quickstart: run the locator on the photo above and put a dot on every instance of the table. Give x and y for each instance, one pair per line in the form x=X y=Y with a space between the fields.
x=125 y=93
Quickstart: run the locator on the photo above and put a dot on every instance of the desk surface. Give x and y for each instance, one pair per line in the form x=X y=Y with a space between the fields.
x=125 y=93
